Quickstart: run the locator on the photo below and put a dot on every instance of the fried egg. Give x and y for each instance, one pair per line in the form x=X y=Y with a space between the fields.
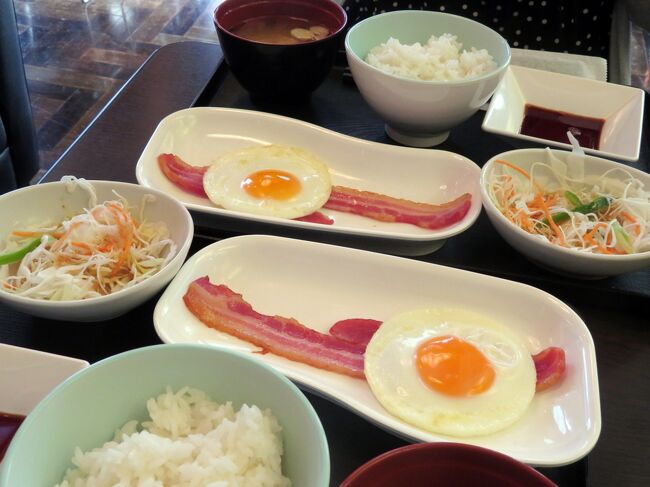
x=450 y=371
x=272 y=180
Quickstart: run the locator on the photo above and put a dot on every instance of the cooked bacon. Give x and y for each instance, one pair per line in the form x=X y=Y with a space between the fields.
x=188 y=178
x=219 y=307
x=387 y=209
x=355 y=330
x=550 y=365
x=364 y=203
x=316 y=217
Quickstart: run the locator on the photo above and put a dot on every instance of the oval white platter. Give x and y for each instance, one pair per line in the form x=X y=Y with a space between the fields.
x=320 y=284
x=200 y=135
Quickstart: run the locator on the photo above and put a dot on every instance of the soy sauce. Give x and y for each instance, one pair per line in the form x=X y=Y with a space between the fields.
x=553 y=125
x=9 y=424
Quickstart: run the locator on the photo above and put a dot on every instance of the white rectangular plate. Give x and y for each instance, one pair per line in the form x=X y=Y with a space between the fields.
x=200 y=135
x=319 y=284
x=27 y=376
x=620 y=106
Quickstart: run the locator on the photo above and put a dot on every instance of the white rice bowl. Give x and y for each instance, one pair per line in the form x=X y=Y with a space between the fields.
x=439 y=59
x=191 y=441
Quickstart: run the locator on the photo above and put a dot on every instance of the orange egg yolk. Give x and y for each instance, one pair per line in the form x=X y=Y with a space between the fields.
x=271 y=183
x=452 y=366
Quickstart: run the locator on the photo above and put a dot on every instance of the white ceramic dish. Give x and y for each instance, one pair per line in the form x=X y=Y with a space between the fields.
x=27 y=376
x=554 y=257
x=53 y=202
x=200 y=135
x=620 y=106
x=320 y=284
x=421 y=113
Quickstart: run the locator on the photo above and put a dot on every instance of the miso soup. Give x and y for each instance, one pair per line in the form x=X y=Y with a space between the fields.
x=280 y=29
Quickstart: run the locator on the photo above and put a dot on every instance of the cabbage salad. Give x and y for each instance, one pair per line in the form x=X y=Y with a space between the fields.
x=100 y=251
x=555 y=201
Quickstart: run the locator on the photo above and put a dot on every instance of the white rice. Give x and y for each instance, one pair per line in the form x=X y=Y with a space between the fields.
x=440 y=59
x=191 y=441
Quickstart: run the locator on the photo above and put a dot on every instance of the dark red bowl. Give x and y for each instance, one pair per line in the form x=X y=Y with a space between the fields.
x=454 y=464
x=279 y=71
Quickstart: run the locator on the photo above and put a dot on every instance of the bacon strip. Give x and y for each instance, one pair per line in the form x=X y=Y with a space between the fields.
x=550 y=365
x=364 y=203
x=355 y=330
x=387 y=209
x=188 y=178
x=316 y=217
x=220 y=308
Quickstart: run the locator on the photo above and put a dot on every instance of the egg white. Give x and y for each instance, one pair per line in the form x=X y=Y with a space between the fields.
x=391 y=372
x=222 y=181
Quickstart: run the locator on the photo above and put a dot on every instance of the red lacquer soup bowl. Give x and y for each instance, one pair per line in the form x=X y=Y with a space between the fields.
x=285 y=71
x=450 y=464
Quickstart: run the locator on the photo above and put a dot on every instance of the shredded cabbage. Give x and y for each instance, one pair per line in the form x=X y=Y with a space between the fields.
x=98 y=252
x=550 y=189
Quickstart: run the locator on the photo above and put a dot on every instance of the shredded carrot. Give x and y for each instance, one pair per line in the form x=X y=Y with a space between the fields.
x=628 y=217
x=125 y=235
x=513 y=167
x=82 y=245
x=107 y=247
x=551 y=199
x=549 y=218
x=19 y=233
x=589 y=238
x=633 y=221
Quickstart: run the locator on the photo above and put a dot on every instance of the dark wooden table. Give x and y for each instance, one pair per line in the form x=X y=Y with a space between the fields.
x=615 y=310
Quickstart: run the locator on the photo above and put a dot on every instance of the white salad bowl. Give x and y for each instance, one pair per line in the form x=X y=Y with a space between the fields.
x=546 y=254
x=58 y=201
x=421 y=113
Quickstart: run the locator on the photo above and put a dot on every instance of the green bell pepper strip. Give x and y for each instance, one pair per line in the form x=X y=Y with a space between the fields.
x=572 y=198
x=17 y=255
x=622 y=238
x=596 y=205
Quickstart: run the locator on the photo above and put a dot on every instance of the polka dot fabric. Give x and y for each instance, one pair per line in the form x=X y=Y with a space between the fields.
x=575 y=26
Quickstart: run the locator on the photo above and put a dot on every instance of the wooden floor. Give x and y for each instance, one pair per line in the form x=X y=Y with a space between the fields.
x=78 y=55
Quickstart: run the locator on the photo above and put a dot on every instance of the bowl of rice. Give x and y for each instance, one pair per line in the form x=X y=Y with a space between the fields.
x=425 y=72
x=192 y=415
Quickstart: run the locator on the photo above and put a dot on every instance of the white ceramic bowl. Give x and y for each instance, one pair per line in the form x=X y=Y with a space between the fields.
x=554 y=257
x=621 y=107
x=52 y=201
x=421 y=113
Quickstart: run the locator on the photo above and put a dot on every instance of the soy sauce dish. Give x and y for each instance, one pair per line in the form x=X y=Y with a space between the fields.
x=280 y=48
